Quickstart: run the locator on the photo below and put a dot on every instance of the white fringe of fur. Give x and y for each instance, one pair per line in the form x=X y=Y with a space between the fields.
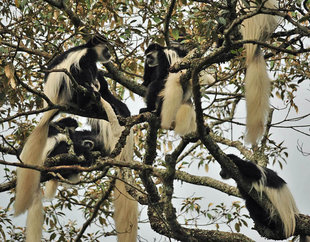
x=172 y=56
x=185 y=120
x=282 y=201
x=54 y=79
x=175 y=108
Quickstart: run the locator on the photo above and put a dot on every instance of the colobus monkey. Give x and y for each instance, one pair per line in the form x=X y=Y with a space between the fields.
x=83 y=142
x=81 y=63
x=158 y=60
x=165 y=93
x=125 y=207
x=267 y=181
x=257 y=83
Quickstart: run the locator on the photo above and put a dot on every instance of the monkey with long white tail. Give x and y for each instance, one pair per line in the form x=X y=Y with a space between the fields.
x=165 y=93
x=266 y=180
x=125 y=206
x=80 y=61
x=257 y=83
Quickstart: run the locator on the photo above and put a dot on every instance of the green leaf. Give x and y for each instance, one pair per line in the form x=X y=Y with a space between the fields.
x=175 y=34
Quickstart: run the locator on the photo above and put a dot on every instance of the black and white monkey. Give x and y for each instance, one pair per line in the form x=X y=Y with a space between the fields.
x=81 y=62
x=267 y=181
x=257 y=82
x=158 y=60
x=165 y=93
x=83 y=142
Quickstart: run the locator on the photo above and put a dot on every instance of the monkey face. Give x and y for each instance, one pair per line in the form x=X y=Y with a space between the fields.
x=152 y=58
x=103 y=53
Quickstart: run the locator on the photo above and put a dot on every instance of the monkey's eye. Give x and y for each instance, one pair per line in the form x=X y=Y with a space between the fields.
x=106 y=53
x=89 y=144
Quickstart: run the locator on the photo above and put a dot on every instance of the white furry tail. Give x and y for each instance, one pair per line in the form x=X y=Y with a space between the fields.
x=28 y=180
x=115 y=126
x=35 y=219
x=50 y=189
x=125 y=214
x=125 y=207
x=257 y=91
x=185 y=120
x=172 y=99
x=283 y=201
x=258 y=27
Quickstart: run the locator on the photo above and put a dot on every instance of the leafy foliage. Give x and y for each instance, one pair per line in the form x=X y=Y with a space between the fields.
x=33 y=32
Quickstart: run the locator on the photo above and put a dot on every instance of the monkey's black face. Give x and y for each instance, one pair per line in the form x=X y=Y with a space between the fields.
x=103 y=53
x=152 y=58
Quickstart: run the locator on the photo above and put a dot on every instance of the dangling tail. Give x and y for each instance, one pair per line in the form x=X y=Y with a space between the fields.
x=28 y=180
x=35 y=219
x=257 y=91
x=257 y=87
x=115 y=126
x=125 y=214
x=50 y=189
x=125 y=207
x=185 y=120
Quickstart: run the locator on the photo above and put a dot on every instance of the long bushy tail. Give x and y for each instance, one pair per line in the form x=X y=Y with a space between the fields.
x=28 y=180
x=50 y=189
x=172 y=99
x=257 y=87
x=257 y=91
x=125 y=214
x=35 y=219
x=185 y=120
x=115 y=126
x=125 y=207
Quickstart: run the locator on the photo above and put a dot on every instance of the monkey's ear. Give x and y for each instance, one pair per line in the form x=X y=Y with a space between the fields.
x=89 y=144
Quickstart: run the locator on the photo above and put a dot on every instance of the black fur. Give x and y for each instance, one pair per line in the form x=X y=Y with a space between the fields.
x=155 y=77
x=251 y=173
x=56 y=127
x=118 y=106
